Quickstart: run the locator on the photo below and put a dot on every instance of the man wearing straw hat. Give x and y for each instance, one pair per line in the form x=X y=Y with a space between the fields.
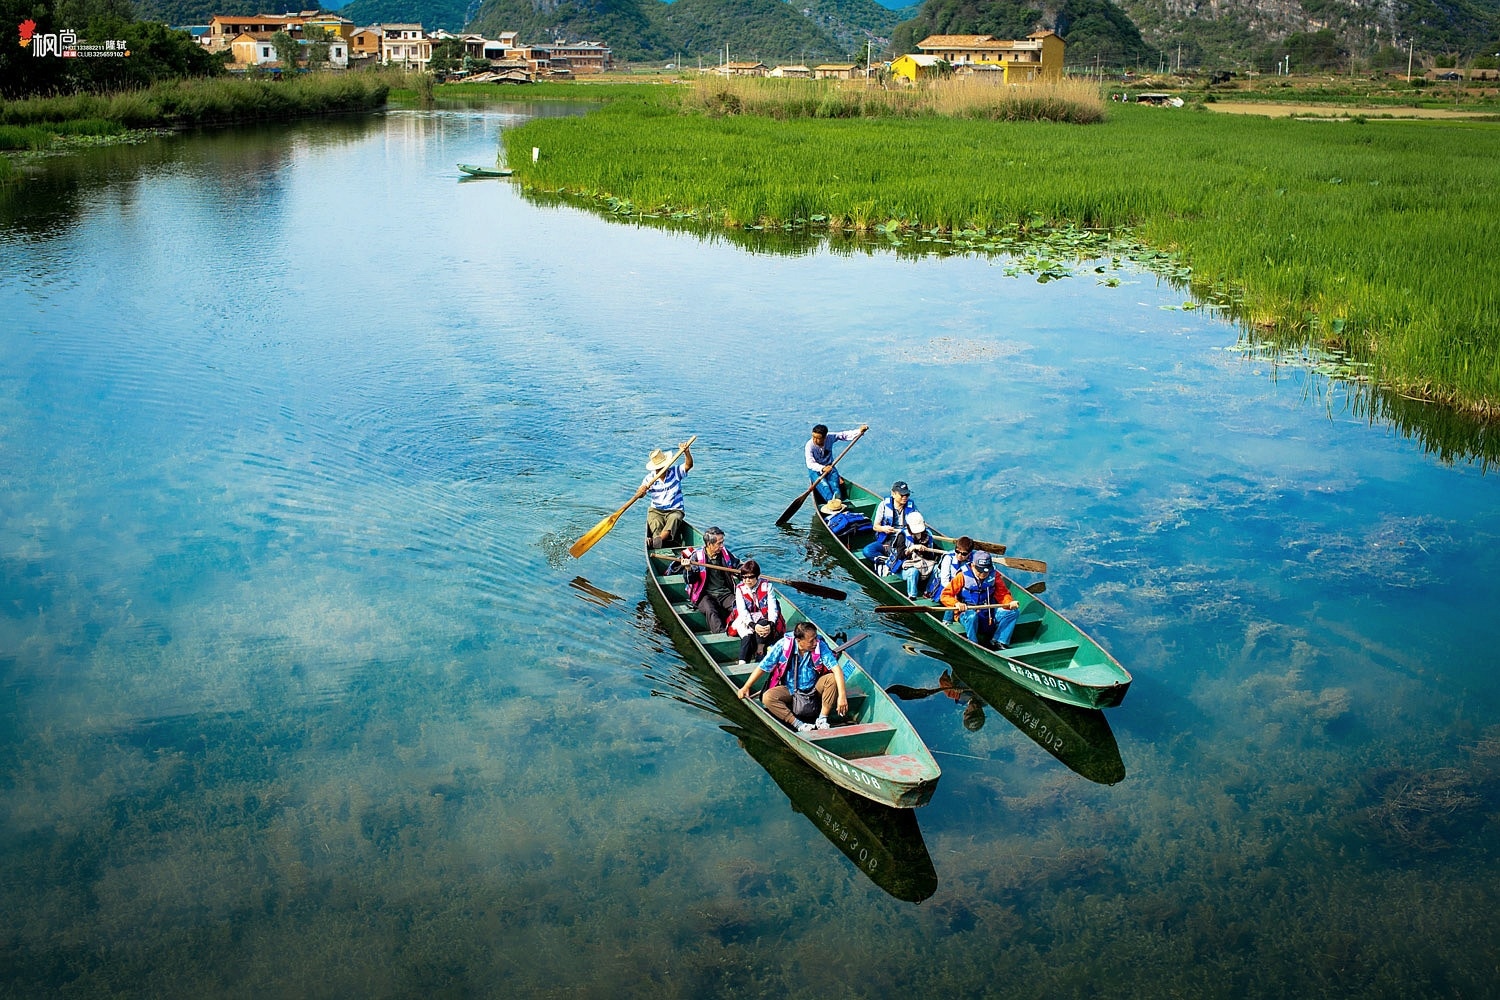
x=664 y=516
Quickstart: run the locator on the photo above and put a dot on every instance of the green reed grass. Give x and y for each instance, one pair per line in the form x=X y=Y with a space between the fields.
x=204 y=101
x=1372 y=239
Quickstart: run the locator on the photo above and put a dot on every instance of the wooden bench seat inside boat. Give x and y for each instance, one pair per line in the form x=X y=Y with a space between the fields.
x=1031 y=652
x=869 y=739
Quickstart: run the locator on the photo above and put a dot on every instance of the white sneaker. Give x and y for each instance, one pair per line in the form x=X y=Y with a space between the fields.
x=805 y=727
x=822 y=722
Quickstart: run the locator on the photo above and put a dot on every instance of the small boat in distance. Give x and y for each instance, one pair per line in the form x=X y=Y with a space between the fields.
x=474 y=171
x=1048 y=655
x=874 y=752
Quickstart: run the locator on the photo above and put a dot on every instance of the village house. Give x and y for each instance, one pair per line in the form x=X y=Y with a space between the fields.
x=1039 y=54
x=791 y=72
x=364 y=43
x=582 y=57
x=743 y=69
x=916 y=66
x=834 y=71
x=405 y=45
x=225 y=29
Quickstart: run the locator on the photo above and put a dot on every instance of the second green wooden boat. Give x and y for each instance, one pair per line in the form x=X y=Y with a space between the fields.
x=1048 y=654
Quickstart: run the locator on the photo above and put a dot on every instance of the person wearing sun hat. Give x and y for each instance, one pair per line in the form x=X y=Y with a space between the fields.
x=970 y=593
x=913 y=554
x=664 y=516
x=890 y=519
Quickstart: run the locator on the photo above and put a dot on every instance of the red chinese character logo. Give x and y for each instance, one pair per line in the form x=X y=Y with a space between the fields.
x=28 y=28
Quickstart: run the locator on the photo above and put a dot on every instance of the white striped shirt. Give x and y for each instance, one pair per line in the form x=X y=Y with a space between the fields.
x=666 y=492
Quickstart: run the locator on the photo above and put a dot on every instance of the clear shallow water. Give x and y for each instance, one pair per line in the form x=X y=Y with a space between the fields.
x=295 y=696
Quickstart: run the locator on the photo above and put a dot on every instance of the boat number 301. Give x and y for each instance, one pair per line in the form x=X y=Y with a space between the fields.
x=1046 y=680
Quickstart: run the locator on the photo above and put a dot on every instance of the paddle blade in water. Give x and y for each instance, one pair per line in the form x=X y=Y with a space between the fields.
x=791 y=511
x=595 y=533
x=817 y=589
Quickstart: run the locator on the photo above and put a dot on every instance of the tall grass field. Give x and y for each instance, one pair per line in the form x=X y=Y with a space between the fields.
x=1375 y=239
x=190 y=102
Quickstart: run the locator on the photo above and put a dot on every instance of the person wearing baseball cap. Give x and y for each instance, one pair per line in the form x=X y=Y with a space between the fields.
x=985 y=607
x=890 y=519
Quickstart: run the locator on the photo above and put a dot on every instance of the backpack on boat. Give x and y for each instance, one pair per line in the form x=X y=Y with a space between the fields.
x=846 y=523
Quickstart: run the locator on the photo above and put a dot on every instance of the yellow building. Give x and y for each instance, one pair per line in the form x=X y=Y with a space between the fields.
x=1039 y=54
x=914 y=67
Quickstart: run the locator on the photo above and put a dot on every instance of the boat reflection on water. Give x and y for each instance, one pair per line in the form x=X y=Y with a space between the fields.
x=1079 y=737
x=885 y=844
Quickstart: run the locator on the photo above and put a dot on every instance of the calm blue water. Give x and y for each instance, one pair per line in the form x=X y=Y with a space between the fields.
x=296 y=698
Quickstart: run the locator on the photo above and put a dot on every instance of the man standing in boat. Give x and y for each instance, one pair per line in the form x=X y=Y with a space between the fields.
x=664 y=516
x=985 y=607
x=711 y=590
x=818 y=457
x=890 y=519
x=805 y=676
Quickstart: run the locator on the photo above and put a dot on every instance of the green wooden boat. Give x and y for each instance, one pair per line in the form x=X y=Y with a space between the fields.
x=1048 y=654
x=474 y=171
x=875 y=753
x=884 y=843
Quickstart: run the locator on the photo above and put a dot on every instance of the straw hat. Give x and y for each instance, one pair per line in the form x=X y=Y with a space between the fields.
x=833 y=506
x=657 y=460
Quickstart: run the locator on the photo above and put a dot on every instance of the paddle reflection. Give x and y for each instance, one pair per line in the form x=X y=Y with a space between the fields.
x=885 y=844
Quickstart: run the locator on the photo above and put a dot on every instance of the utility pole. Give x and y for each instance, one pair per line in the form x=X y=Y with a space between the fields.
x=1410 y=48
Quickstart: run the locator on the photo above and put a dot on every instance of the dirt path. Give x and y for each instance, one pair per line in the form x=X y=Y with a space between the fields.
x=1278 y=110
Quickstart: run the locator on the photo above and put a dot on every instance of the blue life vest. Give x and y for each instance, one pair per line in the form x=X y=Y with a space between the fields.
x=974 y=591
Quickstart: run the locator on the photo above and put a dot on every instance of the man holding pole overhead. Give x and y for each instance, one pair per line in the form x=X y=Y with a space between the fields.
x=818 y=457
x=664 y=516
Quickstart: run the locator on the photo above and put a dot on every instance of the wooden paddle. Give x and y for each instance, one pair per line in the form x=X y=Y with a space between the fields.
x=994 y=548
x=805 y=586
x=604 y=527
x=848 y=643
x=1014 y=562
x=796 y=504
x=906 y=609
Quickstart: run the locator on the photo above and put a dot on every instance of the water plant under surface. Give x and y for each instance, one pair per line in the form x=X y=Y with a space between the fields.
x=1366 y=238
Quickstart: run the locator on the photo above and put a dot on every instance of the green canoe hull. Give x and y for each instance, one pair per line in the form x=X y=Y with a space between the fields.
x=1049 y=655
x=474 y=171
x=883 y=842
x=876 y=753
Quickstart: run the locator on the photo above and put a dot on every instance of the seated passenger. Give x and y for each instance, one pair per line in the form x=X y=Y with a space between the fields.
x=805 y=679
x=890 y=518
x=984 y=603
x=948 y=567
x=913 y=554
x=710 y=591
x=757 y=614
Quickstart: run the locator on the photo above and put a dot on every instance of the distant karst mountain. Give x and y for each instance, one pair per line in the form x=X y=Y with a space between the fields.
x=1337 y=35
x=430 y=14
